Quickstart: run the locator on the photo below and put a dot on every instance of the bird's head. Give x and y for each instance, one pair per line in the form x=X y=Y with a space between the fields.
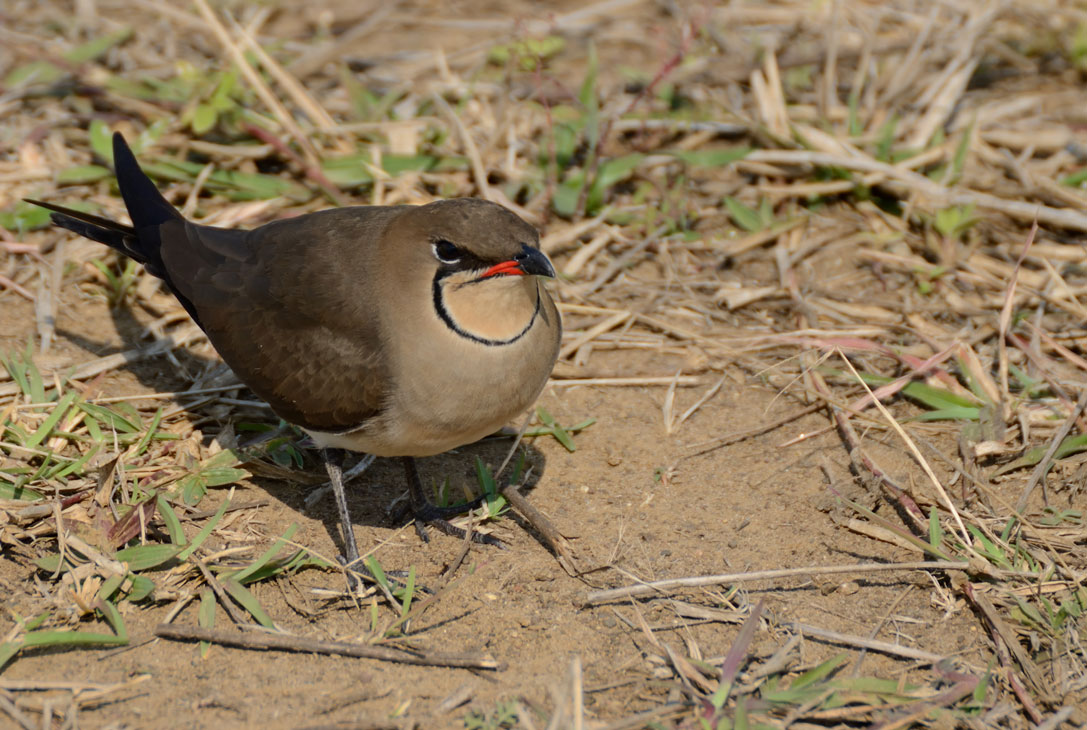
x=481 y=262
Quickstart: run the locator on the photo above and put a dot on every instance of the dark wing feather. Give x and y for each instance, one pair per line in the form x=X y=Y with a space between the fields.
x=283 y=302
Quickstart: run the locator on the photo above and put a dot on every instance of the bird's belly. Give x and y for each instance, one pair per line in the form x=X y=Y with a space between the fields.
x=440 y=404
x=400 y=439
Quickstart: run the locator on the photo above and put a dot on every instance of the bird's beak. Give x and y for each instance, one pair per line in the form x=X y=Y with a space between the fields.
x=531 y=261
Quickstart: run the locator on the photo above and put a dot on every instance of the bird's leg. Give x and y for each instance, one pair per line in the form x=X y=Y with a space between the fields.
x=333 y=459
x=426 y=513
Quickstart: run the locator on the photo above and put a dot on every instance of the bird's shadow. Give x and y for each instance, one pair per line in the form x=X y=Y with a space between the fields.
x=370 y=496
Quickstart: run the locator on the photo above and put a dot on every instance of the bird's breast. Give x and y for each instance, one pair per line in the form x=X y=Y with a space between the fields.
x=450 y=390
x=492 y=311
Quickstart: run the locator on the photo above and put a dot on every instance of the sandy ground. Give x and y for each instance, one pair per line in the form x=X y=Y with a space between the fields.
x=636 y=501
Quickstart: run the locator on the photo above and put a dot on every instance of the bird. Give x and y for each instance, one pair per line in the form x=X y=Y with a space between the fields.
x=396 y=331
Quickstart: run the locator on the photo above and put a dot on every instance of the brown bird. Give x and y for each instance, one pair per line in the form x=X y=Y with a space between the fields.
x=391 y=330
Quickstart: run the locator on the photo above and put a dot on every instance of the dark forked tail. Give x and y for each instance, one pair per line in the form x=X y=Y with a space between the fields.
x=94 y=227
x=146 y=207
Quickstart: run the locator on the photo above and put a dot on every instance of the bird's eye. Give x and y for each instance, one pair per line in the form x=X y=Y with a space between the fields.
x=446 y=252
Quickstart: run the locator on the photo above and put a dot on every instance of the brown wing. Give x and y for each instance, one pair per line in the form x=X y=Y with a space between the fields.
x=287 y=307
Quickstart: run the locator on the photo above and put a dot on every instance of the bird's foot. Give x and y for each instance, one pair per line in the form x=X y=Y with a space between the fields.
x=353 y=582
x=358 y=574
x=426 y=513
x=429 y=514
x=438 y=517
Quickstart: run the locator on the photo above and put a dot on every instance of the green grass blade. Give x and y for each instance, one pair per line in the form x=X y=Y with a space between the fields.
x=379 y=574
x=938 y=397
x=109 y=587
x=935 y=530
x=144 y=557
x=83 y=174
x=205 y=531
x=173 y=524
x=1071 y=445
x=146 y=439
x=113 y=617
x=206 y=617
x=743 y=216
x=75 y=467
x=52 y=420
x=8 y=650
x=12 y=491
x=71 y=638
x=112 y=419
x=485 y=478
x=259 y=563
x=248 y=601
x=820 y=672
x=141 y=588
x=97 y=47
x=563 y=438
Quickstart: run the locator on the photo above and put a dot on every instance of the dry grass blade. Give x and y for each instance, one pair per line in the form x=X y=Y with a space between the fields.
x=867 y=643
x=1046 y=463
x=287 y=642
x=662 y=586
x=915 y=451
x=733 y=193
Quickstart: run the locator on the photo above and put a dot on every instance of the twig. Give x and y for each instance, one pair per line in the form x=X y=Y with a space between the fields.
x=312 y=166
x=448 y=573
x=316 y=113
x=1055 y=720
x=9 y=284
x=609 y=323
x=1004 y=323
x=543 y=525
x=1005 y=640
x=620 y=382
x=513 y=447
x=310 y=169
x=479 y=172
x=647 y=718
x=914 y=450
x=204 y=514
x=316 y=57
x=660 y=586
x=1043 y=466
x=577 y=692
x=168 y=395
x=707 y=446
x=64 y=685
x=290 y=642
x=456 y=698
x=119 y=359
x=1021 y=210
x=228 y=604
x=873 y=644
x=15 y=713
x=860 y=459
x=559 y=238
x=879 y=627
x=622 y=262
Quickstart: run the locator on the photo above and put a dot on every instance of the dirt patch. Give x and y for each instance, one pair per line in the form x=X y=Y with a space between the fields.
x=743 y=201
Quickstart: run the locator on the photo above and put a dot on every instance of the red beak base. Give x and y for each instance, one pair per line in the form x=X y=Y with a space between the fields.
x=506 y=268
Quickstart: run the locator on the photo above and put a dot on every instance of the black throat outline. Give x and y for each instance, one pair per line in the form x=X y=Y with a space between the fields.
x=443 y=314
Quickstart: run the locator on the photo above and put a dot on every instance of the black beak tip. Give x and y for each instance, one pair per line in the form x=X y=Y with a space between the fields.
x=535 y=262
